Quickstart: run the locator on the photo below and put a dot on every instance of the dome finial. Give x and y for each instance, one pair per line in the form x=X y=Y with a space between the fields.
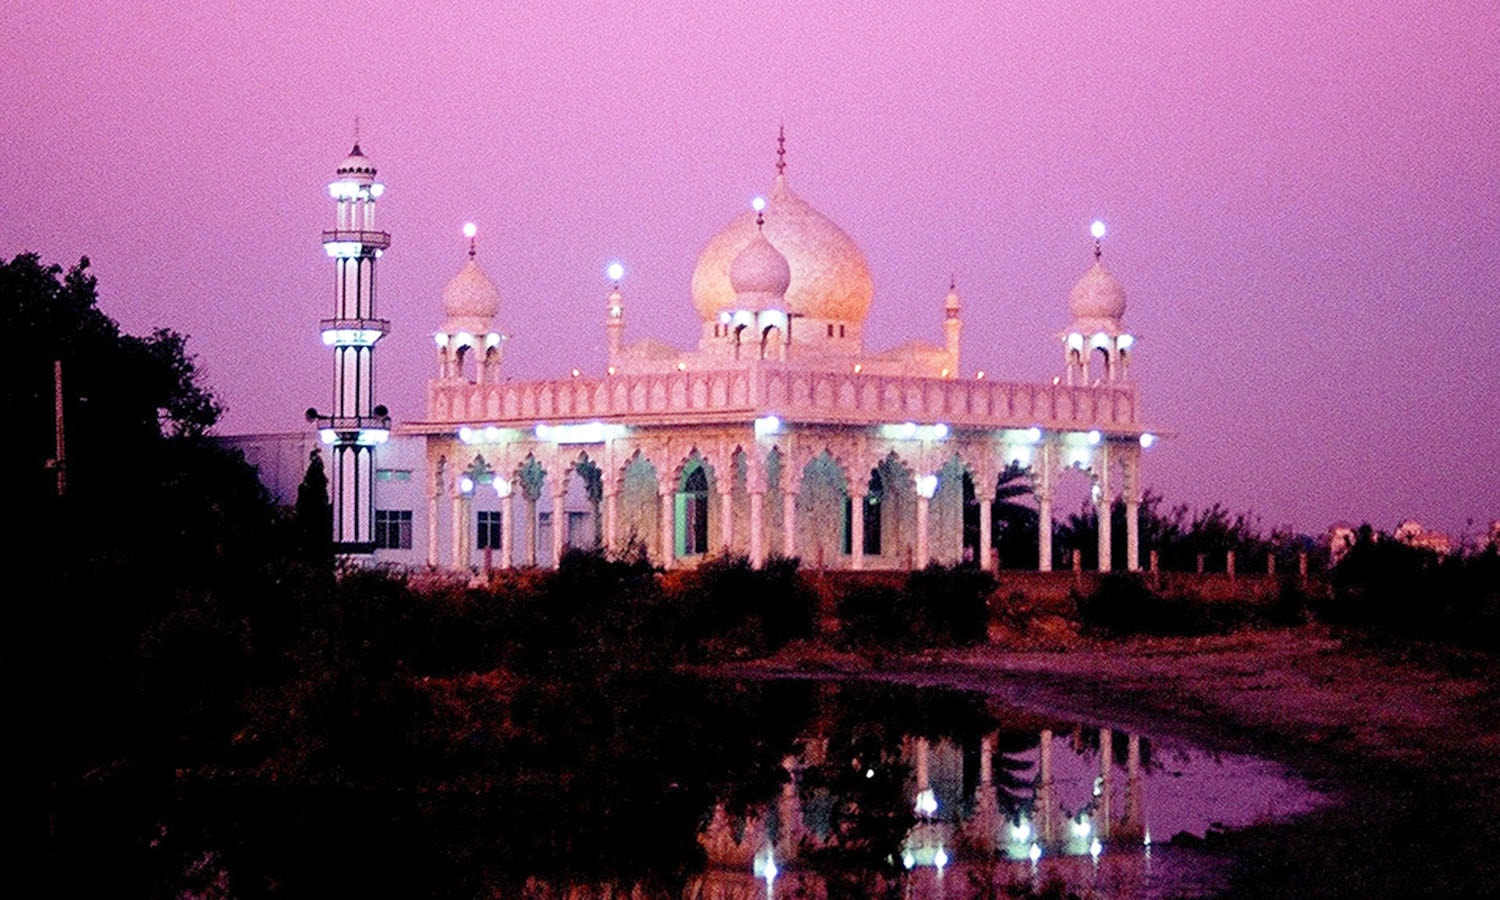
x=469 y=232
x=759 y=205
x=781 y=149
x=1097 y=230
x=356 y=136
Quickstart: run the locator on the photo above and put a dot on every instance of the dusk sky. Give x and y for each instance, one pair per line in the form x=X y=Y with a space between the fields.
x=1303 y=198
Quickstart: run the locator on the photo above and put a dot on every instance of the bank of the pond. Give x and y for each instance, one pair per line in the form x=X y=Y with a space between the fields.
x=1405 y=741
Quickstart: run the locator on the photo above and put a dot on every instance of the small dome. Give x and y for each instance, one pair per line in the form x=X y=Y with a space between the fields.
x=356 y=166
x=830 y=279
x=1097 y=295
x=760 y=269
x=470 y=300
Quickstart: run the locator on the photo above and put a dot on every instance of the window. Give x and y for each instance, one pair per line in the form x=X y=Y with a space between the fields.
x=489 y=530
x=393 y=529
x=871 y=514
x=692 y=514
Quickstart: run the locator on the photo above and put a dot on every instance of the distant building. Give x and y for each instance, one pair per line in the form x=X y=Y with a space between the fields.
x=779 y=433
x=1411 y=533
x=1340 y=538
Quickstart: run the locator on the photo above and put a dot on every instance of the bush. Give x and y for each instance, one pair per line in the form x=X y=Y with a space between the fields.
x=750 y=610
x=1412 y=592
x=952 y=603
x=875 y=615
x=939 y=606
x=1124 y=604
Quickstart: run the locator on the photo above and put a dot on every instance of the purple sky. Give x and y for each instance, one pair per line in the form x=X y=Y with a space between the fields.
x=1303 y=198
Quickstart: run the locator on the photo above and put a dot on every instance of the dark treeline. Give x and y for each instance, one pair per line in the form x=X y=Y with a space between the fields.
x=1406 y=591
x=1181 y=536
x=1380 y=584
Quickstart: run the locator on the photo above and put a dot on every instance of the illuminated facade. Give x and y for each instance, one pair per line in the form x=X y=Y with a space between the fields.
x=779 y=433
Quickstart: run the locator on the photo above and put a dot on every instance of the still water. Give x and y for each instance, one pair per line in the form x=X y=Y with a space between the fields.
x=687 y=788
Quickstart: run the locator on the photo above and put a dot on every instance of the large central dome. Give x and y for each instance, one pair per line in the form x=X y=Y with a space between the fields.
x=830 y=278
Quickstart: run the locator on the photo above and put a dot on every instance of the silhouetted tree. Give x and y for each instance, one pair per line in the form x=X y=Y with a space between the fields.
x=158 y=549
x=313 y=514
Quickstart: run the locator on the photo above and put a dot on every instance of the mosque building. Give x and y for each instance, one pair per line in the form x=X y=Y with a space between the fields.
x=780 y=433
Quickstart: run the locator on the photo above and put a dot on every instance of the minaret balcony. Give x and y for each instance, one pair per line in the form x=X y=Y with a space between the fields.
x=362 y=430
x=348 y=243
x=353 y=332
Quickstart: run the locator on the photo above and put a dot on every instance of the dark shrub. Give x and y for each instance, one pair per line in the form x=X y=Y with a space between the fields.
x=1124 y=604
x=875 y=615
x=751 y=610
x=951 y=603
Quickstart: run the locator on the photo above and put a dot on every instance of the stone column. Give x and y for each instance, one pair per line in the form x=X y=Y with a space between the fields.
x=922 y=550
x=986 y=552
x=726 y=519
x=611 y=518
x=507 y=530
x=1044 y=511
x=1132 y=535
x=531 y=529
x=460 y=532
x=757 y=529
x=432 y=521
x=857 y=530
x=559 y=519
x=668 y=529
x=1102 y=506
x=788 y=523
x=1133 y=510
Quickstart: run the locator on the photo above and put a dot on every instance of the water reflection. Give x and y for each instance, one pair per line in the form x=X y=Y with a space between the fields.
x=686 y=788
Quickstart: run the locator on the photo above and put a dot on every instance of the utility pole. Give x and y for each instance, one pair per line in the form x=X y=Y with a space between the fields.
x=59 y=461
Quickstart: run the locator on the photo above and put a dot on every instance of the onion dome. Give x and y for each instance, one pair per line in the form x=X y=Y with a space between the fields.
x=830 y=279
x=470 y=301
x=760 y=270
x=357 y=167
x=1097 y=295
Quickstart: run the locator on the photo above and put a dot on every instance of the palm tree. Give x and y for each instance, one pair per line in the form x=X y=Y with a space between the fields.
x=1013 y=520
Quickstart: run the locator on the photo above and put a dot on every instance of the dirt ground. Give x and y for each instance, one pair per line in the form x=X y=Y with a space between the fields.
x=1406 y=740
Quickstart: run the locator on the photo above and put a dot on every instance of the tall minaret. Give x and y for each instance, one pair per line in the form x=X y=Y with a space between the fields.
x=614 y=317
x=952 y=325
x=356 y=425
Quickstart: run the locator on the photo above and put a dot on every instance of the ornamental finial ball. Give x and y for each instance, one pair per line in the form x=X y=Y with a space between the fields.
x=615 y=271
x=470 y=230
x=1097 y=229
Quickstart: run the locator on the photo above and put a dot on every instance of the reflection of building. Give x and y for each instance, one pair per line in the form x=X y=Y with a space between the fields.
x=964 y=825
x=779 y=433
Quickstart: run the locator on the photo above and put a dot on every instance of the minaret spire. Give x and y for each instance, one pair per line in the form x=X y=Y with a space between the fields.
x=356 y=425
